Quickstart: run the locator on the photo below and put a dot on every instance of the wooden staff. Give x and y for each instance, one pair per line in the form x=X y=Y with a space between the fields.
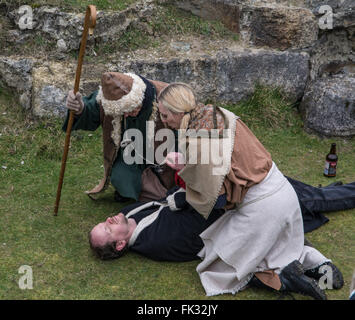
x=89 y=25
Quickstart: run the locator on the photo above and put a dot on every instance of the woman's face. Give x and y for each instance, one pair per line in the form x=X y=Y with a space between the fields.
x=171 y=119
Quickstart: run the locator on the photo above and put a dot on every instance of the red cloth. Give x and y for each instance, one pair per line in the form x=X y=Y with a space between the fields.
x=178 y=180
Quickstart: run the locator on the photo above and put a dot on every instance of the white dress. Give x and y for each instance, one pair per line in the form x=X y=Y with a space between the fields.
x=265 y=232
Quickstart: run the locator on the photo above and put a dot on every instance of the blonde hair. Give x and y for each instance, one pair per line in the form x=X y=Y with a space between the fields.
x=178 y=97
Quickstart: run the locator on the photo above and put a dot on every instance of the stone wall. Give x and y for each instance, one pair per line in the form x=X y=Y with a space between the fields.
x=228 y=76
x=66 y=28
x=281 y=44
x=17 y=75
x=299 y=25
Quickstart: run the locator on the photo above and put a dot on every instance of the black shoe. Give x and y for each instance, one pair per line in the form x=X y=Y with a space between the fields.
x=293 y=280
x=119 y=198
x=337 y=281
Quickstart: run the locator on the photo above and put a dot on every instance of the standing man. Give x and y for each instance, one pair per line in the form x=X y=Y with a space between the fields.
x=123 y=101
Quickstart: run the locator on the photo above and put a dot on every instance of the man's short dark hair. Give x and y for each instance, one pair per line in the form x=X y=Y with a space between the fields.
x=107 y=251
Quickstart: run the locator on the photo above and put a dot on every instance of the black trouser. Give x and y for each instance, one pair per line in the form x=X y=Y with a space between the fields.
x=315 y=201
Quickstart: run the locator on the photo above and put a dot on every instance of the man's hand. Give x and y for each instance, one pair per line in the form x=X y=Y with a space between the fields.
x=75 y=102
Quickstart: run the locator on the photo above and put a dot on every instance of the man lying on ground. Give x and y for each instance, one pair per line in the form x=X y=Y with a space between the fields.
x=169 y=230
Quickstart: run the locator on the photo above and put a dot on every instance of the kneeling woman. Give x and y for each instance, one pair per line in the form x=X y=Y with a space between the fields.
x=260 y=239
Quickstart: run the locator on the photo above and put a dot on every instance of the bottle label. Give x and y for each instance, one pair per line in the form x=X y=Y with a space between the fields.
x=330 y=168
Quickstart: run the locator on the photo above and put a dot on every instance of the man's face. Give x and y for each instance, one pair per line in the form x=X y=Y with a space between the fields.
x=114 y=229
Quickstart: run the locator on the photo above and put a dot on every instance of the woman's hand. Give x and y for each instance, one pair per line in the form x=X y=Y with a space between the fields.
x=175 y=160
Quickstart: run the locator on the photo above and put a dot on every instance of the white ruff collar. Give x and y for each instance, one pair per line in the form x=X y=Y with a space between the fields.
x=128 y=102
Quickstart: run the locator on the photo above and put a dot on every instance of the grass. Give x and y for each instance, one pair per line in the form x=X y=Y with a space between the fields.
x=57 y=248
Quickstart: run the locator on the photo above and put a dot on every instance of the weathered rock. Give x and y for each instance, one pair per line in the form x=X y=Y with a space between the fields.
x=53 y=80
x=260 y=23
x=180 y=46
x=62 y=46
x=332 y=50
x=54 y=24
x=51 y=102
x=229 y=76
x=68 y=27
x=16 y=75
x=328 y=106
x=226 y=11
x=336 y=5
x=278 y=27
x=290 y=3
x=345 y=19
x=17 y=37
x=343 y=12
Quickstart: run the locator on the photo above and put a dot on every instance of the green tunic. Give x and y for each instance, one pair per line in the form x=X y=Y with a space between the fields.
x=125 y=178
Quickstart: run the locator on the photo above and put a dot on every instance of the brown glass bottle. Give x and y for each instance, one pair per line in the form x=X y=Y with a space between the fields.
x=331 y=161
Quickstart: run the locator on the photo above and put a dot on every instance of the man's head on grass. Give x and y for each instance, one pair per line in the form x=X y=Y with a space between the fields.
x=109 y=239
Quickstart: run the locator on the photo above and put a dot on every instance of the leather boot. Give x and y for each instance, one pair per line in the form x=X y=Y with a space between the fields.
x=337 y=281
x=255 y=282
x=293 y=280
